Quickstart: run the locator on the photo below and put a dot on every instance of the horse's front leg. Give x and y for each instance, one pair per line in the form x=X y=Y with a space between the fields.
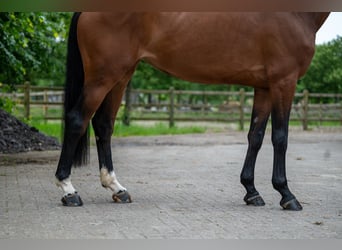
x=103 y=123
x=260 y=114
x=281 y=107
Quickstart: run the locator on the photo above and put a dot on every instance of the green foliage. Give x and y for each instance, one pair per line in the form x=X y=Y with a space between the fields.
x=33 y=46
x=147 y=77
x=325 y=72
x=7 y=104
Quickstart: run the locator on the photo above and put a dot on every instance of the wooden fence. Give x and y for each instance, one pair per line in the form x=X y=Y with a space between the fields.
x=180 y=105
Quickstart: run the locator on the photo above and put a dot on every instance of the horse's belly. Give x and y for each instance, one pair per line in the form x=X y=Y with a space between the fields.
x=204 y=71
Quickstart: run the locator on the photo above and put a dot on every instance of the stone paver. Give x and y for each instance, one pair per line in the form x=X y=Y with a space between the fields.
x=182 y=187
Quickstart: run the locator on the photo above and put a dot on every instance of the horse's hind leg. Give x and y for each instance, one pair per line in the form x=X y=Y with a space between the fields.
x=103 y=123
x=76 y=122
x=260 y=115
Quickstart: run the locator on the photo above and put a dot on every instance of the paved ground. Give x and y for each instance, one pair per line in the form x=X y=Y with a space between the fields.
x=182 y=187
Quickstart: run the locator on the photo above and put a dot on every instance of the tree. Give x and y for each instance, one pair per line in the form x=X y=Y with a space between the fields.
x=325 y=72
x=33 y=46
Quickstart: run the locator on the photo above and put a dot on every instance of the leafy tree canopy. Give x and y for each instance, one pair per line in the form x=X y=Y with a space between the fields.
x=32 y=46
x=325 y=72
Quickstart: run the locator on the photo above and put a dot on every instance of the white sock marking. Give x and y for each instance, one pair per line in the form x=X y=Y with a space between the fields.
x=66 y=186
x=109 y=180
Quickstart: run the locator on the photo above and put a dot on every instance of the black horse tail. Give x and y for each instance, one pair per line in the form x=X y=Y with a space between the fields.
x=73 y=90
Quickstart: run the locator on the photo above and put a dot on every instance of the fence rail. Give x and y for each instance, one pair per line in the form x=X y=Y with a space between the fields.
x=180 y=105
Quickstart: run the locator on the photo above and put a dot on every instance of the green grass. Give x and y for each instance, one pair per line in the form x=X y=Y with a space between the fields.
x=55 y=129
x=158 y=129
x=313 y=124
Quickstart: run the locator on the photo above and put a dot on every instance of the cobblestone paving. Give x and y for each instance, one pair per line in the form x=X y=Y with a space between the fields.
x=182 y=187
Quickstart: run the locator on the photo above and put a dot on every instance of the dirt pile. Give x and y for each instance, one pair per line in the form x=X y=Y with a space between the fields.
x=16 y=136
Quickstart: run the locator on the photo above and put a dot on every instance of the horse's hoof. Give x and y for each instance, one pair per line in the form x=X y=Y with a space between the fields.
x=72 y=200
x=292 y=205
x=122 y=197
x=255 y=200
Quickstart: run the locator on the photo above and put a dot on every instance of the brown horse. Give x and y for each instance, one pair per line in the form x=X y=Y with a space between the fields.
x=268 y=51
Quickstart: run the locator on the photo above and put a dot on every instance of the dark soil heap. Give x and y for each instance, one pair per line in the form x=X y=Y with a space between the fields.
x=16 y=136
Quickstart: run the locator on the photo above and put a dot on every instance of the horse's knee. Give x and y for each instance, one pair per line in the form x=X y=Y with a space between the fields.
x=255 y=140
x=279 y=140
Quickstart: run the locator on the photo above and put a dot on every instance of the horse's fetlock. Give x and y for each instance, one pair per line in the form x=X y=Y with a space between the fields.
x=246 y=180
x=105 y=177
x=62 y=175
x=279 y=184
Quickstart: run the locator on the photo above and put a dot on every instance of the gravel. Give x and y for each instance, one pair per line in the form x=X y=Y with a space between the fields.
x=16 y=136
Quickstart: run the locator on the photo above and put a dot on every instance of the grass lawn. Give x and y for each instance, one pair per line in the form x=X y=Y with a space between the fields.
x=55 y=129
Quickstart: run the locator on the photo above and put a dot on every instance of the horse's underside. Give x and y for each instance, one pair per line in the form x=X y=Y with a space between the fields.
x=268 y=51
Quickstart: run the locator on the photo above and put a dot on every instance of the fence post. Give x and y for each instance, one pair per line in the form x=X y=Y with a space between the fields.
x=127 y=110
x=45 y=107
x=171 y=108
x=205 y=104
x=305 y=109
x=242 y=104
x=27 y=100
